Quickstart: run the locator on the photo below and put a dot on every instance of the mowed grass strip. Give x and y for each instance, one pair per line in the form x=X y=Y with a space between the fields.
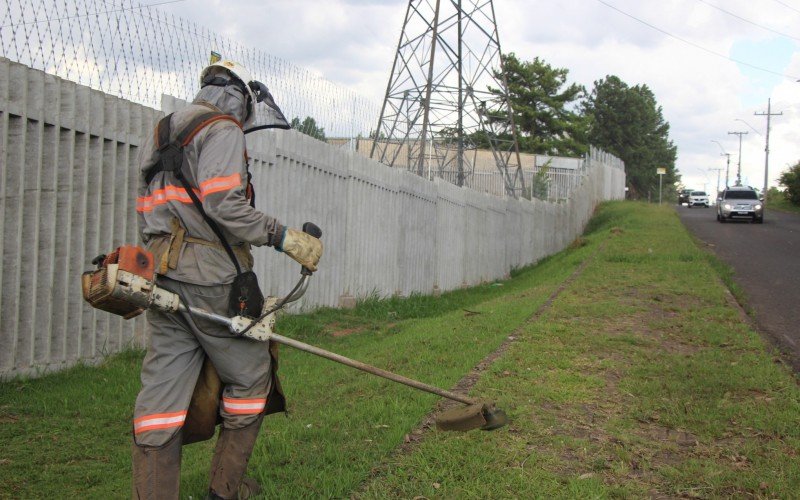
x=68 y=435
x=641 y=380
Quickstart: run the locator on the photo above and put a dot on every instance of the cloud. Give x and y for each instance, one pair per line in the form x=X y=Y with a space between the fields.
x=353 y=42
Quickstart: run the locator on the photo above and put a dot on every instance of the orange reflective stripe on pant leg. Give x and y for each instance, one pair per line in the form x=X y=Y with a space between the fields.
x=159 y=421
x=244 y=406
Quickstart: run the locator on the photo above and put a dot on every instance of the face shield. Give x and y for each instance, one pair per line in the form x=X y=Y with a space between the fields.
x=266 y=114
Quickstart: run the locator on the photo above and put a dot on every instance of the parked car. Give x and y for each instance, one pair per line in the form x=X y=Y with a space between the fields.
x=740 y=203
x=683 y=196
x=698 y=198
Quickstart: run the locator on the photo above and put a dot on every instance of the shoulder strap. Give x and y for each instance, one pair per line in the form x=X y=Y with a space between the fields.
x=171 y=152
x=200 y=122
x=170 y=157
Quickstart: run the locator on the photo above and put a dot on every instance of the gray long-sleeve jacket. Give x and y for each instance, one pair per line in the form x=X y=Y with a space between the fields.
x=215 y=165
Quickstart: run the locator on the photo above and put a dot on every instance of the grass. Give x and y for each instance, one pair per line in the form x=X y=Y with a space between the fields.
x=633 y=382
x=636 y=383
x=778 y=202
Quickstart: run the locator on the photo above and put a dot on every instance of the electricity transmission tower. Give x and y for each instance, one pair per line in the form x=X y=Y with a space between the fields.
x=447 y=96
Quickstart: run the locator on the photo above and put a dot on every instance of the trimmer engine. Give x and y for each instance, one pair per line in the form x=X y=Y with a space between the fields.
x=123 y=284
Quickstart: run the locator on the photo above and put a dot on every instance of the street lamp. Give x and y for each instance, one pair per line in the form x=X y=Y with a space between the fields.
x=739 y=170
x=727 y=165
x=718 y=173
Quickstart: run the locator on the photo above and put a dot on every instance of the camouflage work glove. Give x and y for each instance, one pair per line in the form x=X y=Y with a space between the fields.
x=302 y=247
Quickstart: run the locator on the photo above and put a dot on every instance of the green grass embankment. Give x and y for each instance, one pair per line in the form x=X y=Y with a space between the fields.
x=641 y=380
x=780 y=203
x=635 y=382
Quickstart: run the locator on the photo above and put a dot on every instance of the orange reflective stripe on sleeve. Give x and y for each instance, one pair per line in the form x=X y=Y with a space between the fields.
x=162 y=196
x=159 y=421
x=217 y=184
x=244 y=406
x=175 y=193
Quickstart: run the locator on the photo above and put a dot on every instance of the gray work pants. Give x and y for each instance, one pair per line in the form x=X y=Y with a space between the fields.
x=176 y=349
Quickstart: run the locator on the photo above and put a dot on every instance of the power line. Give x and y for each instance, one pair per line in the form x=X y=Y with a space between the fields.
x=786 y=5
x=122 y=9
x=697 y=46
x=749 y=21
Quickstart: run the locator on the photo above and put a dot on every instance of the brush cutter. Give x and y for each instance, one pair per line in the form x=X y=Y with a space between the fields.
x=124 y=284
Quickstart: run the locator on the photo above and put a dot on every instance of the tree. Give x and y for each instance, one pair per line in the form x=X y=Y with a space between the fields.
x=380 y=136
x=628 y=123
x=790 y=179
x=540 y=183
x=309 y=127
x=546 y=109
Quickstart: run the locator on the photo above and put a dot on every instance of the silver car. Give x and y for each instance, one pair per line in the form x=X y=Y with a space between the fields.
x=740 y=203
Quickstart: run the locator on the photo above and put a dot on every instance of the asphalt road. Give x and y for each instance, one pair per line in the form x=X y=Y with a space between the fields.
x=766 y=263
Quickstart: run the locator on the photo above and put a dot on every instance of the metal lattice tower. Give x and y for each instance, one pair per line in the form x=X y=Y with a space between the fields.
x=439 y=105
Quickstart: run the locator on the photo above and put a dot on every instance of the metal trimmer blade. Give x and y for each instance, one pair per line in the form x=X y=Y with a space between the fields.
x=484 y=416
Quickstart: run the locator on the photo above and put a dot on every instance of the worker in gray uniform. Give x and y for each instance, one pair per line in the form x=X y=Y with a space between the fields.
x=209 y=172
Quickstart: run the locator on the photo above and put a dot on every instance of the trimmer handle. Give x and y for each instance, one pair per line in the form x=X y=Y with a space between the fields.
x=311 y=229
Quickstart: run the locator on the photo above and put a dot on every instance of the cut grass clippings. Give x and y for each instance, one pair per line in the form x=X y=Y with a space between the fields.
x=634 y=382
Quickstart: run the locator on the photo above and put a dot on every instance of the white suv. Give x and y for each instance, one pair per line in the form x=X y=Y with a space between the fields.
x=698 y=198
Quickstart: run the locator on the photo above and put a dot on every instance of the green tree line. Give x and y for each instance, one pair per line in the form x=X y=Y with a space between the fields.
x=790 y=179
x=559 y=118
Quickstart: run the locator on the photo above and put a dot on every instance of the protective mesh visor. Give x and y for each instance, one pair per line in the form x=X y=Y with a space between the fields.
x=268 y=114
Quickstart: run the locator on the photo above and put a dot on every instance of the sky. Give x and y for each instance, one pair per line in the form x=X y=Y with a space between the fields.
x=712 y=64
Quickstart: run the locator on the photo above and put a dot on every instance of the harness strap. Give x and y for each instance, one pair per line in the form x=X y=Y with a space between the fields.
x=171 y=152
x=175 y=243
x=213 y=225
x=171 y=160
x=175 y=240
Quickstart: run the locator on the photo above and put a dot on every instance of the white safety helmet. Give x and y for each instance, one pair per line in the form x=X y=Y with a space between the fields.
x=241 y=78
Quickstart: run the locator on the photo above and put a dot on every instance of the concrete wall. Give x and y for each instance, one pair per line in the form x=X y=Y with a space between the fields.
x=67 y=193
x=65 y=196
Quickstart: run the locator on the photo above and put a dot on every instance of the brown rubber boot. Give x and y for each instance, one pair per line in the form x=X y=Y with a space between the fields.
x=229 y=463
x=157 y=471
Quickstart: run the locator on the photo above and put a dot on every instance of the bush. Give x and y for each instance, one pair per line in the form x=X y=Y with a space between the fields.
x=791 y=181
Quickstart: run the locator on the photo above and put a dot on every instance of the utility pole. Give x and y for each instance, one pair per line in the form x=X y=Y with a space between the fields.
x=768 y=114
x=739 y=171
x=728 y=167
